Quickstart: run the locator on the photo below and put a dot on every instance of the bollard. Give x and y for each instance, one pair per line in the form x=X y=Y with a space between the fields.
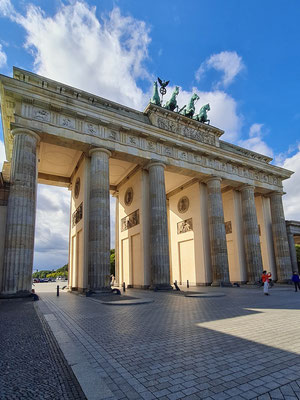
x=57 y=290
x=187 y=284
x=123 y=285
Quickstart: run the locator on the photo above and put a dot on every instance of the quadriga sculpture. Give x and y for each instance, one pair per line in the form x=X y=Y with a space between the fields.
x=155 y=97
x=172 y=103
x=202 y=115
x=188 y=110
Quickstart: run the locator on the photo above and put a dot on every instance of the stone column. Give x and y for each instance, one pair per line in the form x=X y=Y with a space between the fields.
x=99 y=221
x=117 y=250
x=251 y=235
x=21 y=210
x=218 y=246
x=281 y=246
x=160 y=264
x=292 y=251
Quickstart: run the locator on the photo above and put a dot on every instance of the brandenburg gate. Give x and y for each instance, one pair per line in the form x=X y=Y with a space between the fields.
x=189 y=206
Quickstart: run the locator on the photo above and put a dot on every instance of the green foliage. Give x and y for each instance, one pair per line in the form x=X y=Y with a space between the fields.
x=62 y=271
x=112 y=261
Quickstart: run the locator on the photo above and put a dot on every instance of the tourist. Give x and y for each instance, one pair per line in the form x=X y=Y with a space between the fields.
x=296 y=280
x=265 y=279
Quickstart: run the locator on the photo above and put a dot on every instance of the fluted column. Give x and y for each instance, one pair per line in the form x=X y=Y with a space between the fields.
x=117 y=250
x=99 y=221
x=21 y=210
x=218 y=246
x=281 y=246
x=160 y=263
x=293 y=251
x=251 y=235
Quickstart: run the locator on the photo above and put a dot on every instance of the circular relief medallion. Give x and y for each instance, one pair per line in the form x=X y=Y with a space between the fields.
x=128 y=196
x=183 y=204
x=77 y=188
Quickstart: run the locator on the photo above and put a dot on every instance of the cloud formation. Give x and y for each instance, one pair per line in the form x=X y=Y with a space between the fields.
x=255 y=141
x=103 y=57
x=291 y=186
x=227 y=62
x=3 y=58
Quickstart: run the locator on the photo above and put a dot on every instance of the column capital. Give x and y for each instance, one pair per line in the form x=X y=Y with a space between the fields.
x=100 y=150
x=245 y=187
x=24 y=131
x=276 y=193
x=155 y=163
x=212 y=178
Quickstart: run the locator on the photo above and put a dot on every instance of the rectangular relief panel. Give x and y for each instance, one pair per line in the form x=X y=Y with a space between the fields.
x=136 y=256
x=125 y=261
x=187 y=262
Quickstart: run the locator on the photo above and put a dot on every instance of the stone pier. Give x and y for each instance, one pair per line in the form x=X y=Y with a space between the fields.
x=251 y=235
x=21 y=210
x=160 y=264
x=218 y=246
x=99 y=221
x=281 y=245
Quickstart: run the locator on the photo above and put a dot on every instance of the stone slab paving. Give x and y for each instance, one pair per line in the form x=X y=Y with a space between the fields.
x=243 y=345
x=32 y=365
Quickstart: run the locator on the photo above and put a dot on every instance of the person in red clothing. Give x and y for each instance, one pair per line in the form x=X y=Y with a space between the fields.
x=265 y=279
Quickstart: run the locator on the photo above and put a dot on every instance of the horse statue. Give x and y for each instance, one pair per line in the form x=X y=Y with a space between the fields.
x=188 y=110
x=155 y=97
x=172 y=103
x=202 y=116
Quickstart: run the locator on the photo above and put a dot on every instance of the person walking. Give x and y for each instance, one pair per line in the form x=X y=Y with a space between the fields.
x=265 y=279
x=296 y=280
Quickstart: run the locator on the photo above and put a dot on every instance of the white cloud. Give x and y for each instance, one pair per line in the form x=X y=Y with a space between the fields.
x=223 y=110
x=2 y=155
x=3 y=58
x=255 y=141
x=291 y=186
x=6 y=8
x=103 y=57
x=227 y=62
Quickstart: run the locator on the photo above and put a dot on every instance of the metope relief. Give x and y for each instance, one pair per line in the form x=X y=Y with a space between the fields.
x=41 y=115
x=67 y=122
x=130 y=221
x=77 y=215
x=91 y=128
x=185 y=226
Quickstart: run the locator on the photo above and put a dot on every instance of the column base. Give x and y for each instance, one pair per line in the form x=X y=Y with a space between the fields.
x=221 y=284
x=283 y=281
x=21 y=294
x=161 y=286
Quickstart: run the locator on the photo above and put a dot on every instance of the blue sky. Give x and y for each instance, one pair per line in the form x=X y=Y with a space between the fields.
x=240 y=56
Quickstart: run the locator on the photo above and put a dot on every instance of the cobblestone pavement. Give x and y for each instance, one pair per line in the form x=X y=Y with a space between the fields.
x=32 y=365
x=241 y=346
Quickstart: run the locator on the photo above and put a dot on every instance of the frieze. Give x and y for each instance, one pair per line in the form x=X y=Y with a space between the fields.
x=165 y=149
x=186 y=131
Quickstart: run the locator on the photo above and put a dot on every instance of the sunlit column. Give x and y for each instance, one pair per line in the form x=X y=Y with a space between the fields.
x=99 y=221
x=21 y=210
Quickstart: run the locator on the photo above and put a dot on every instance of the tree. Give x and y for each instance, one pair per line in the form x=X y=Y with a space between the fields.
x=112 y=262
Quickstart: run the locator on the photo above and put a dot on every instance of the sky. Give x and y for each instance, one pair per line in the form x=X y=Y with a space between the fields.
x=242 y=57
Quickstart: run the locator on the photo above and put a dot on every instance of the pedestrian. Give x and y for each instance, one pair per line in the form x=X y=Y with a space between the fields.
x=296 y=280
x=112 y=280
x=265 y=279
